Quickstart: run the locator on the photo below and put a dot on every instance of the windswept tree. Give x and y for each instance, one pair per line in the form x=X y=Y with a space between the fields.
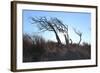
x=52 y=24
x=61 y=27
x=45 y=24
x=79 y=34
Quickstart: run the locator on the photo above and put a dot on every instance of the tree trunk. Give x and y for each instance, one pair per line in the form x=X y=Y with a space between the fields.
x=80 y=40
x=66 y=40
x=57 y=37
x=71 y=41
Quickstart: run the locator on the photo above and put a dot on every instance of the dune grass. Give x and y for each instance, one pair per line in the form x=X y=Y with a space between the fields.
x=36 y=48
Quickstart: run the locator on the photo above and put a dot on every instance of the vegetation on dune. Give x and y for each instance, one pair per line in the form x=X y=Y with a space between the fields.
x=41 y=50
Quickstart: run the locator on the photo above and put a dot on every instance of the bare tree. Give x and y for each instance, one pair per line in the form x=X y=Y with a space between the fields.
x=47 y=25
x=53 y=24
x=79 y=34
x=61 y=27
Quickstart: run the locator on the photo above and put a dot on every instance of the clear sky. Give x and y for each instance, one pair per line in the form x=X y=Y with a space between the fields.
x=79 y=21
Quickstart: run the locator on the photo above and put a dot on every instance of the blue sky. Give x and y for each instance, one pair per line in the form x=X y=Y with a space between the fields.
x=79 y=21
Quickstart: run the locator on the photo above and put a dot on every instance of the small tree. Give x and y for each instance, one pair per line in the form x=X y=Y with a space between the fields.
x=79 y=34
